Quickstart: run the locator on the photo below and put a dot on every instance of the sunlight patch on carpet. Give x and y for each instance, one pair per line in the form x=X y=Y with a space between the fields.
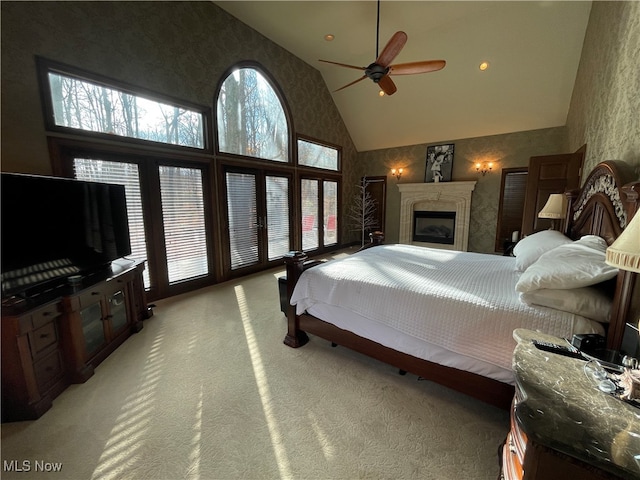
x=263 y=386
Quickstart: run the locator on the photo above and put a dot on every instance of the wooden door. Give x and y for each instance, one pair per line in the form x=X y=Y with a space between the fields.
x=548 y=174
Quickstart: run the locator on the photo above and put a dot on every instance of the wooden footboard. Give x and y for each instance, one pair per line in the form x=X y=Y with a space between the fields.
x=298 y=326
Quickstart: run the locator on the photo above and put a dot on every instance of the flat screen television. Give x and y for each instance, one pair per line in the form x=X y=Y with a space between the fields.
x=53 y=228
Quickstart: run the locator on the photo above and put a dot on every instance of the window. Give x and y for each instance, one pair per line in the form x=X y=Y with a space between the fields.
x=312 y=154
x=330 y=208
x=183 y=220
x=310 y=213
x=251 y=119
x=319 y=206
x=179 y=236
x=89 y=103
x=120 y=173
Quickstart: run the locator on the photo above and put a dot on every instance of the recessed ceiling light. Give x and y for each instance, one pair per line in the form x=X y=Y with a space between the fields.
x=329 y=37
x=483 y=66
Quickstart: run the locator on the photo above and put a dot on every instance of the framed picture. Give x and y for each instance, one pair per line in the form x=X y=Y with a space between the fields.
x=439 y=163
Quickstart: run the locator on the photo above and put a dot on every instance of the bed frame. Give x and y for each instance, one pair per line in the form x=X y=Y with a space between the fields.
x=604 y=206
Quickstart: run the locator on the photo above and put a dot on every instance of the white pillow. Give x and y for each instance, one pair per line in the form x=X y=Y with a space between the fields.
x=588 y=302
x=529 y=249
x=573 y=265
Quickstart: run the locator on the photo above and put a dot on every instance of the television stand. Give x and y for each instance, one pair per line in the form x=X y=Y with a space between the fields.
x=57 y=338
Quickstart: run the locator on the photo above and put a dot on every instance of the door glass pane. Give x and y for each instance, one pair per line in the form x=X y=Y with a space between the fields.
x=118 y=311
x=92 y=328
x=120 y=173
x=309 y=196
x=243 y=219
x=277 y=189
x=183 y=222
x=330 y=211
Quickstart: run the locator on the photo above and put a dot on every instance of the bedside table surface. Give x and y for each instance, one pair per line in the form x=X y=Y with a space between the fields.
x=561 y=408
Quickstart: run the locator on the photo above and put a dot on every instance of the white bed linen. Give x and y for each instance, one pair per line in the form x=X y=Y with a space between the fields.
x=455 y=308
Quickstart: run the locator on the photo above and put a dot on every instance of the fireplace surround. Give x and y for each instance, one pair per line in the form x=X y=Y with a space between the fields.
x=452 y=199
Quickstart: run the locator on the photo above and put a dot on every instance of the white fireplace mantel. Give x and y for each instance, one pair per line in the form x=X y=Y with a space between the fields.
x=438 y=197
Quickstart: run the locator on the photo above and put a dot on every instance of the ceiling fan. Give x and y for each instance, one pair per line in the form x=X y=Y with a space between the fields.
x=380 y=70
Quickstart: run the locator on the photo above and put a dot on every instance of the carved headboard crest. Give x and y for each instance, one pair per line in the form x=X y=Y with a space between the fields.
x=605 y=204
x=605 y=184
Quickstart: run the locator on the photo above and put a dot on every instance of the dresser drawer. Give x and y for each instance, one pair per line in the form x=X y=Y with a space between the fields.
x=46 y=314
x=42 y=338
x=48 y=370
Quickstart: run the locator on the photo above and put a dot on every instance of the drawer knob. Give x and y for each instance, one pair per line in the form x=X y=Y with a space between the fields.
x=44 y=335
x=95 y=293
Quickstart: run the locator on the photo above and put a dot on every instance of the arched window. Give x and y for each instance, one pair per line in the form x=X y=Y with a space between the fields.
x=251 y=118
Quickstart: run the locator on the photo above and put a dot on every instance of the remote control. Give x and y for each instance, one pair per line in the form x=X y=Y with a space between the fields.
x=559 y=349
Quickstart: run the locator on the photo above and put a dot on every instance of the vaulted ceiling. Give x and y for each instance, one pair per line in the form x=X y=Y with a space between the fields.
x=533 y=49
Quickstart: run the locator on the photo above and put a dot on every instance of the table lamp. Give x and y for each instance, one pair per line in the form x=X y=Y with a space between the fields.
x=555 y=209
x=624 y=254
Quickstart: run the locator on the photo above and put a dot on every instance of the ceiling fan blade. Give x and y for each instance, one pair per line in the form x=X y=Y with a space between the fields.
x=417 y=67
x=387 y=85
x=392 y=49
x=343 y=64
x=352 y=83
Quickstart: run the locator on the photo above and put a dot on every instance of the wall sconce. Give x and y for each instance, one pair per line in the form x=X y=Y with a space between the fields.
x=484 y=167
x=396 y=172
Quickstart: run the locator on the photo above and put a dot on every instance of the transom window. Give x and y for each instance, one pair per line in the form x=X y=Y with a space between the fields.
x=251 y=120
x=94 y=105
x=311 y=154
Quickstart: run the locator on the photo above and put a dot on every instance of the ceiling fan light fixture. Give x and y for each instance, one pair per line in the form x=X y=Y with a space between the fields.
x=381 y=93
x=483 y=66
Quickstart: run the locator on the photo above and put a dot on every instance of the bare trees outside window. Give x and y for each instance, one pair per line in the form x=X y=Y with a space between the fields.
x=251 y=120
x=93 y=107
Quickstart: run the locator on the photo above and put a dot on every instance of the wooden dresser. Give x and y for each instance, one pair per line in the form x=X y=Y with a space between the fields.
x=562 y=426
x=58 y=337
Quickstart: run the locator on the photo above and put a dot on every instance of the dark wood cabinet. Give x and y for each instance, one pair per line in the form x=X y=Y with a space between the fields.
x=49 y=343
x=32 y=361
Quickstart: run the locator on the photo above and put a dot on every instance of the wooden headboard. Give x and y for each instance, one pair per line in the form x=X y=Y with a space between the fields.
x=604 y=206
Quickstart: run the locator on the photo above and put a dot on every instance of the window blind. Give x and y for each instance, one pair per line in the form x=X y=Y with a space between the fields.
x=243 y=219
x=310 y=204
x=120 y=173
x=330 y=212
x=277 y=189
x=183 y=222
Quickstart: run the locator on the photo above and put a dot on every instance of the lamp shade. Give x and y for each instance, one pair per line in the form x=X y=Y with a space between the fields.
x=555 y=207
x=624 y=253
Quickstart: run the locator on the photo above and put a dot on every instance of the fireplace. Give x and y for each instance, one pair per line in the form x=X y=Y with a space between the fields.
x=447 y=206
x=434 y=227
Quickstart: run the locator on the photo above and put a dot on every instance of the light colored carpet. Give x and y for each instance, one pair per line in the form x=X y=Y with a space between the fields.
x=207 y=390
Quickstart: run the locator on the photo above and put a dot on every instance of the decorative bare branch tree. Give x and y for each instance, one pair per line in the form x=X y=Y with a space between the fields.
x=362 y=212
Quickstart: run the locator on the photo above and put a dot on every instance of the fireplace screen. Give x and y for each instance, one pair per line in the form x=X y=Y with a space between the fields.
x=434 y=227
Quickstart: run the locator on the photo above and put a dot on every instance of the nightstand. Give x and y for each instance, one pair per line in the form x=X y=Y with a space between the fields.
x=562 y=426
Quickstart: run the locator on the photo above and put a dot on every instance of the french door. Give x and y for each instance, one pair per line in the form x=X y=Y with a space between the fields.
x=258 y=218
x=168 y=217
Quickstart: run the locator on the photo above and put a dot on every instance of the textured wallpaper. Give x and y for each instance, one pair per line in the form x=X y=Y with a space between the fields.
x=176 y=48
x=505 y=151
x=605 y=106
x=604 y=114
x=183 y=48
